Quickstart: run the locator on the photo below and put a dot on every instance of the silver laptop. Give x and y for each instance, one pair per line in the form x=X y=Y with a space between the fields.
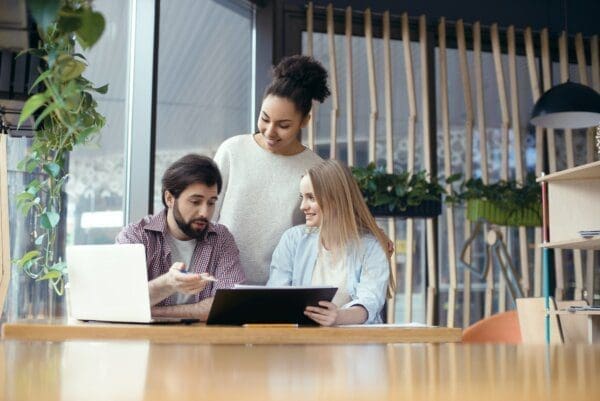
x=110 y=283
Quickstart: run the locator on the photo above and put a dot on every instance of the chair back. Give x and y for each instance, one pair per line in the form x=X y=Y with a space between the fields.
x=499 y=328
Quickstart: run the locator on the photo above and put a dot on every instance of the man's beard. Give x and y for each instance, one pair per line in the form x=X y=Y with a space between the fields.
x=186 y=227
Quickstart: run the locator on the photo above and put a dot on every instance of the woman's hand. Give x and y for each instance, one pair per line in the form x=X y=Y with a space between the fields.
x=325 y=314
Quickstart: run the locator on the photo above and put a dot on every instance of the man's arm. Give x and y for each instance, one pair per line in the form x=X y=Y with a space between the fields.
x=199 y=310
x=228 y=270
x=175 y=281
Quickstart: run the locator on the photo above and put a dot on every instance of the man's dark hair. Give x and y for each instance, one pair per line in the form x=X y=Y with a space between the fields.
x=188 y=170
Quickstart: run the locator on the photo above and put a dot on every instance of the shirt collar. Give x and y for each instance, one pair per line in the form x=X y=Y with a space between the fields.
x=158 y=222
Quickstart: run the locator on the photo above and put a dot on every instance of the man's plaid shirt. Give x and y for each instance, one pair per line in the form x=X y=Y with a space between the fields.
x=217 y=254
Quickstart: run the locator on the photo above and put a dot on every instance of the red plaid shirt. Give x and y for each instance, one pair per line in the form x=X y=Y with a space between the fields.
x=217 y=254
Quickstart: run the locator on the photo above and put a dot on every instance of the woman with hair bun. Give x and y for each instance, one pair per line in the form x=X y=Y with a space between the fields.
x=259 y=199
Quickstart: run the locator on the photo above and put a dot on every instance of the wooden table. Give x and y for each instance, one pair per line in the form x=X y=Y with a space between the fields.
x=144 y=370
x=202 y=334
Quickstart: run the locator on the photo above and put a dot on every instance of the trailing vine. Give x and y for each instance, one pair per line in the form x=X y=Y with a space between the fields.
x=65 y=116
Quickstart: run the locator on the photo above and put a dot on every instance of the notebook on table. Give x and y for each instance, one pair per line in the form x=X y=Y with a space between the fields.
x=267 y=305
x=110 y=283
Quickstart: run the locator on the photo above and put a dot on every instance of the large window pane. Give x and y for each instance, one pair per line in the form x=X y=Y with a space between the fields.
x=204 y=78
x=95 y=189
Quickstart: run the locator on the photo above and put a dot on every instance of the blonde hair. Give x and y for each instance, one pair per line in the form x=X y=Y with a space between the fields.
x=346 y=216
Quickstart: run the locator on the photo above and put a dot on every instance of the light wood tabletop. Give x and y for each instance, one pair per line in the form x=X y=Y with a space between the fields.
x=202 y=334
x=143 y=370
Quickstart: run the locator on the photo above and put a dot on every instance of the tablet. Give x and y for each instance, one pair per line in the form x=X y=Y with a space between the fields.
x=266 y=305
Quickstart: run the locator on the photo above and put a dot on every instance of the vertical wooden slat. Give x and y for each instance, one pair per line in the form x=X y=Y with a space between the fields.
x=595 y=62
x=468 y=168
x=539 y=145
x=4 y=224
x=497 y=55
x=349 y=88
x=481 y=126
x=580 y=52
x=372 y=86
x=447 y=160
x=333 y=83
x=389 y=153
x=309 y=52
x=564 y=77
x=552 y=165
x=518 y=156
x=431 y=243
x=412 y=117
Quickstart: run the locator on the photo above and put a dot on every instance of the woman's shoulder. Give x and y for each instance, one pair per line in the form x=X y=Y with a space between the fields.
x=310 y=157
x=370 y=242
x=299 y=232
x=236 y=141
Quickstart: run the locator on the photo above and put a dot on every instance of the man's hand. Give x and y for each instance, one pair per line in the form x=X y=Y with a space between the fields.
x=185 y=283
x=325 y=314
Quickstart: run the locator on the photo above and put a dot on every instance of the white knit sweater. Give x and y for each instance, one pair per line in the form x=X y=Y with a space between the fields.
x=259 y=200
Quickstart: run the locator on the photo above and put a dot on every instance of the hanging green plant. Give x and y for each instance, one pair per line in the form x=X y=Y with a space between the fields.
x=505 y=203
x=403 y=195
x=65 y=116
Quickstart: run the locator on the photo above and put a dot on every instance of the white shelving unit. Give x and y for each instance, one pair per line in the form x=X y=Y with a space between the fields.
x=573 y=203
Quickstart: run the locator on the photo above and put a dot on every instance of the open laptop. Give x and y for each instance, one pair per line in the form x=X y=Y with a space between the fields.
x=110 y=283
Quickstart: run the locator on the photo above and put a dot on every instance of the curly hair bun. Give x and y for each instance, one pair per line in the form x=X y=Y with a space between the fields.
x=305 y=72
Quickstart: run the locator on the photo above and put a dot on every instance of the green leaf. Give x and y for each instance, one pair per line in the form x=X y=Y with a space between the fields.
x=59 y=266
x=49 y=220
x=91 y=29
x=24 y=196
x=40 y=239
x=84 y=135
x=31 y=105
x=45 y=113
x=69 y=68
x=31 y=165
x=102 y=89
x=52 y=274
x=69 y=21
x=39 y=79
x=53 y=169
x=27 y=257
x=44 y=12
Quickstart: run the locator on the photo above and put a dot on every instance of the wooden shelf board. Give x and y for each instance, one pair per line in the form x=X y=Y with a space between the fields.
x=586 y=171
x=579 y=312
x=577 y=243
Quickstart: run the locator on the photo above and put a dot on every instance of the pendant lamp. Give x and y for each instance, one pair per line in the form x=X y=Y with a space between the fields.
x=568 y=105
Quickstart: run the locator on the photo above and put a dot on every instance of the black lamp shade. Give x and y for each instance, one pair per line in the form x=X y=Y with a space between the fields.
x=567 y=105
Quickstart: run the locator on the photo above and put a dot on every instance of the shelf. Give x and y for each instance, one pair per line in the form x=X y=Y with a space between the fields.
x=577 y=243
x=579 y=312
x=586 y=171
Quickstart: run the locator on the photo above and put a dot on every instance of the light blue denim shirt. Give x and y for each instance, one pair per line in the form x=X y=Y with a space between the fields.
x=295 y=257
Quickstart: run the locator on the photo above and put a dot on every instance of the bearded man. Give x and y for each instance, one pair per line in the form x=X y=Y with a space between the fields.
x=188 y=257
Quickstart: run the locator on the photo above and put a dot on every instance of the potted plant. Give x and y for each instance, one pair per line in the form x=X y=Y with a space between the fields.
x=65 y=116
x=505 y=202
x=401 y=195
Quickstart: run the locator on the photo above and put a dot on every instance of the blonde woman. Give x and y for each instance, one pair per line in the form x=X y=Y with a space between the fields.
x=340 y=245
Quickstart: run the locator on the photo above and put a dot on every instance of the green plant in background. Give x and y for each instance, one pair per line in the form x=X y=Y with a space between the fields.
x=396 y=192
x=65 y=116
x=505 y=202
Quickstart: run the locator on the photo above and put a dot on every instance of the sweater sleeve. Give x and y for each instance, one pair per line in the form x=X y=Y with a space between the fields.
x=222 y=158
x=374 y=276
